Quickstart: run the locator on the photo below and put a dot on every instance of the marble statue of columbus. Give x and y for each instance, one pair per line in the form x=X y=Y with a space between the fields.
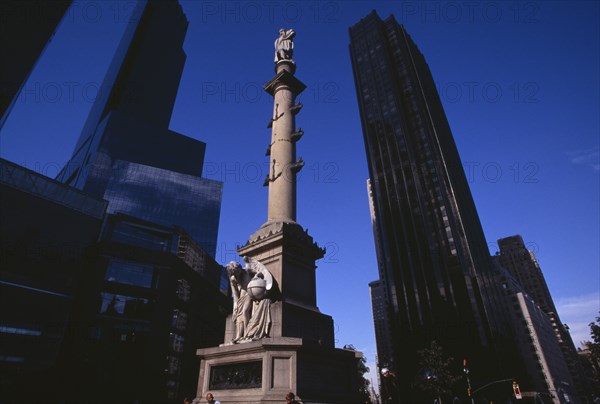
x=284 y=45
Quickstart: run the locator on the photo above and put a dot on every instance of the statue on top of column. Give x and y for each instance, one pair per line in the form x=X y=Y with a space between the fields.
x=284 y=45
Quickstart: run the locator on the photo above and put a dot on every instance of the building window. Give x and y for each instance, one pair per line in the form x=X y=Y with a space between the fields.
x=173 y=365
x=184 y=290
x=12 y=359
x=179 y=319
x=172 y=386
x=20 y=331
x=125 y=306
x=129 y=233
x=176 y=342
x=131 y=273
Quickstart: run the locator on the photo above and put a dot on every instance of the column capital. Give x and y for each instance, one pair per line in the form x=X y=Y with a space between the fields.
x=284 y=78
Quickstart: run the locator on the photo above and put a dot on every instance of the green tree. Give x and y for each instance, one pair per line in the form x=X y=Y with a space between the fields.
x=363 y=384
x=595 y=334
x=595 y=347
x=434 y=379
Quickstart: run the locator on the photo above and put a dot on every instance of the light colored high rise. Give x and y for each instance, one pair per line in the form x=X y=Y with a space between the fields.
x=523 y=266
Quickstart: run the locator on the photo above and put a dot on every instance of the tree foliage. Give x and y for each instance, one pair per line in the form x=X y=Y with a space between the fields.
x=364 y=384
x=595 y=345
x=595 y=334
x=434 y=379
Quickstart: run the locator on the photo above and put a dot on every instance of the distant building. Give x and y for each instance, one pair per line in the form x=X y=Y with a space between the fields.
x=544 y=371
x=381 y=323
x=48 y=234
x=522 y=264
x=434 y=265
x=379 y=301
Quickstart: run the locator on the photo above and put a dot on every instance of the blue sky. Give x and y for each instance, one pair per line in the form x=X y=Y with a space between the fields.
x=519 y=82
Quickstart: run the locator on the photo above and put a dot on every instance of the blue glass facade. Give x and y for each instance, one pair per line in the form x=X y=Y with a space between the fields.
x=155 y=293
x=167 y=198
x=126 y=153
x=149 y=293
x=153 y=297
x=24 y=34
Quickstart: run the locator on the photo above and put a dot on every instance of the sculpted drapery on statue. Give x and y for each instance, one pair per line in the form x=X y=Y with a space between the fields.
x=284 y=45
x=251 y=286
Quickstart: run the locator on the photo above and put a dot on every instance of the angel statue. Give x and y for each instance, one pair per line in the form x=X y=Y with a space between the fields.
x=284 y=45
x=250 y=287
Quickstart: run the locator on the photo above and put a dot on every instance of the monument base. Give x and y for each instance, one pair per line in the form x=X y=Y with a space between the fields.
x=295 y=321
x=264 y=371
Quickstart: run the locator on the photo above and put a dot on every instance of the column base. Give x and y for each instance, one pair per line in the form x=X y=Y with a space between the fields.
x=265 y=371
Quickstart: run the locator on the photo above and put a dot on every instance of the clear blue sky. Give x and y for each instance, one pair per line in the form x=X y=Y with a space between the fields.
x=519 y=82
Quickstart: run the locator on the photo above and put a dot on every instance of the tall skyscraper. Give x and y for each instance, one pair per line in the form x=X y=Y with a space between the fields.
x=111 y=307
x=154 y=294
x=523 y=266
x=126 y=153
x=433 y=258
x=27 y=27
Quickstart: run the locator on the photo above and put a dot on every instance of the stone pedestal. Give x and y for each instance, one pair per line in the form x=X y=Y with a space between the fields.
x=299 y=355
x=264 y=371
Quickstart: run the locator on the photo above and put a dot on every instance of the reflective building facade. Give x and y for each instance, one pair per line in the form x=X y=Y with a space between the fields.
x=155 y=293
x=48 y=235
x=152 y=297
x=126 y=153
x=27 y=27
x=167 y=197
x=433 y=258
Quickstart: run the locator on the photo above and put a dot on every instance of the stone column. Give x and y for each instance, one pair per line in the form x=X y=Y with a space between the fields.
x=281 y=180
x=299 y=352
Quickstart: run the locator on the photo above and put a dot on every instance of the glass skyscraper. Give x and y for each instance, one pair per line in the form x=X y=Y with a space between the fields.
x=166 y=197
x=27 y=27
x=126 y=153
x=433 y=258
x=155 y=293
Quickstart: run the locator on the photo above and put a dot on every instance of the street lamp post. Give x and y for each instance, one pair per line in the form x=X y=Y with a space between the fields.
x=466 y=370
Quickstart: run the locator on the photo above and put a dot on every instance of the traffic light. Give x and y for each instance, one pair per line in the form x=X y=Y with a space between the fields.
x=517 y=391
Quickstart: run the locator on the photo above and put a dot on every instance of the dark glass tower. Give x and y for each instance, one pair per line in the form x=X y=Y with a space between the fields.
x=27 y=27
x=433 y=256
x=126 y=153
x=155 y=293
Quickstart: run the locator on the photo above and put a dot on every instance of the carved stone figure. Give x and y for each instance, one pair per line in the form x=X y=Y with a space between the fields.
x=284 y=45
x=250 y=286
